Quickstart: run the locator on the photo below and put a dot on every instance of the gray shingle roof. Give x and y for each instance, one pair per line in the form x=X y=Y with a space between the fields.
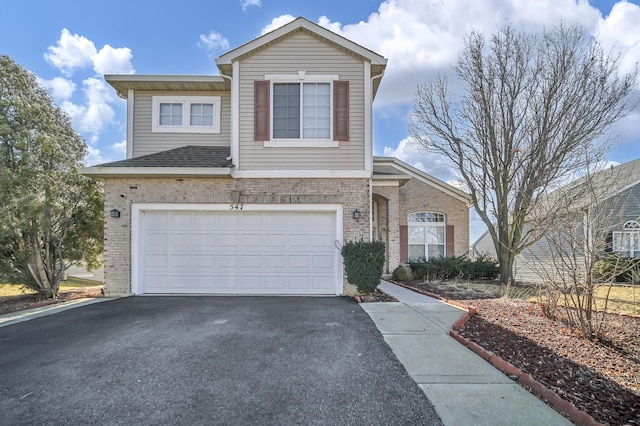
x=186 y=156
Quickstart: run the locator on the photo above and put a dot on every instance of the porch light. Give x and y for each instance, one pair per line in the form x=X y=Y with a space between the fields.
x=114 y=213
x=356 y=214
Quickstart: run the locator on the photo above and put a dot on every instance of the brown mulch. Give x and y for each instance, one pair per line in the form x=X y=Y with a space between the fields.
x=25 y=301
x=599 y=378
x=376 y=297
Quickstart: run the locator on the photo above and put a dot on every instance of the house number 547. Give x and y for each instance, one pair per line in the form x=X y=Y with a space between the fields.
x=236 y=206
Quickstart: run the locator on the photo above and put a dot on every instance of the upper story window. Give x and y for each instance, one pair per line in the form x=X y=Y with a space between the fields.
x=426 y=235
x=186 y=114
x=301 y=110
x=627 y=241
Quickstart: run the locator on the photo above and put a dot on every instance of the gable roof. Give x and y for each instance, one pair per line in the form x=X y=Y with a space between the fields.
x=378 y=63
x=604 y=184
x=186 y=160
x=390 y=167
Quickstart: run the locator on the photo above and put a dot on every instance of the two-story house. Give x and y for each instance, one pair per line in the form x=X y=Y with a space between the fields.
x=249 y=182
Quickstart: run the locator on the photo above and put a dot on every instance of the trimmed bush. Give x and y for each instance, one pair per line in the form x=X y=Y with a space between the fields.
x=460 y=267
x=400 y=273
x=364 y=263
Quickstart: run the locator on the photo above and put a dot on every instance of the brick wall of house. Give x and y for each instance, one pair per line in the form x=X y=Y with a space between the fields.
x=120 y=193
x=416 y=196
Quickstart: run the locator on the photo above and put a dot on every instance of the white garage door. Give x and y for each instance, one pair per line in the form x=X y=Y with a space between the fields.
x=243 y=252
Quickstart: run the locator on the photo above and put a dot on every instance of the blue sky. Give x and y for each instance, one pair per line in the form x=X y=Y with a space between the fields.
x=70 y=44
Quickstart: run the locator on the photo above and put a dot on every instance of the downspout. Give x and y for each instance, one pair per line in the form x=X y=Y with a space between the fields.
x=371 y=178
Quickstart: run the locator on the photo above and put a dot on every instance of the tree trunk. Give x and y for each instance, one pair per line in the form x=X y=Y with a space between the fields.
x=506 y=259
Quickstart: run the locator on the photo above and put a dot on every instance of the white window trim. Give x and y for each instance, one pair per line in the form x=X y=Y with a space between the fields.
x=442 y=224
x=631 y=232
x=186 y=101
x=301 y=77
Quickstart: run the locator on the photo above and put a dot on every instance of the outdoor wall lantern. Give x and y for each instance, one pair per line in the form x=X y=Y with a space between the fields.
x=114 y=213
x=356 y=214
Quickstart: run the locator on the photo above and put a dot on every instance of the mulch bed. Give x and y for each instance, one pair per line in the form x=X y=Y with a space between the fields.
x=375 y=297
x=599 y=378
x=26 y=301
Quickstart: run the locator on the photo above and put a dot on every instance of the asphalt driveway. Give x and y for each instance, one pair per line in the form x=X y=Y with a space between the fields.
x=206 y=360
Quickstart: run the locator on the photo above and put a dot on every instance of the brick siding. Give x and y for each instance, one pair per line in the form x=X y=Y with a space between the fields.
x=120 y=193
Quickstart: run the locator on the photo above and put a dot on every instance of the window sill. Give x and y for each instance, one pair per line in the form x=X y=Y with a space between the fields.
x=301 y=143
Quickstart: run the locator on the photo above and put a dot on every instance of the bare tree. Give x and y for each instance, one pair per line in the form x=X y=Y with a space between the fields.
x=532 y=105
x=568 y=258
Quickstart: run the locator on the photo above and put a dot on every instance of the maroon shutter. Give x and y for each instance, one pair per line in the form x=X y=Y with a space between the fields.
x=450 y=248
x=261 y=110
x=340 y=110
x=404 y=244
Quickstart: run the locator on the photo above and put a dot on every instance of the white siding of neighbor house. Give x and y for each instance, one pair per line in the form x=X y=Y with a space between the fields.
x=302 y=52
x=145 y=142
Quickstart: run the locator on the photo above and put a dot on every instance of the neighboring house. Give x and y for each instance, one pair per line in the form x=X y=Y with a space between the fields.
x=617 y=191
x=251 y=181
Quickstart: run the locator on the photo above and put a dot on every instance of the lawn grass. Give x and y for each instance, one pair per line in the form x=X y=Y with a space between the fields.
x=623 y=299
x=71 y=283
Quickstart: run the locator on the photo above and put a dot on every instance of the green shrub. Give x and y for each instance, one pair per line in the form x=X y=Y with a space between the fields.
x=400 y=273
x=364 y=263
x=613 y=267
x=448 y=268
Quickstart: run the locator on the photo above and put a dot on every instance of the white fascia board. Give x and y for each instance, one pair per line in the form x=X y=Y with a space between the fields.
x=230 y=56
x=154 y=171
x=329 y=174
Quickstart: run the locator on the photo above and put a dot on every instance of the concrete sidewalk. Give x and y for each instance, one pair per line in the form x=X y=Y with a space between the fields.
x=464 y=388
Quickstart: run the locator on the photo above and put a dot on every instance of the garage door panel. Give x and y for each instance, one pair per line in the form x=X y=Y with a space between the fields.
x=179 y=242
x=181 y=220
x=228 y=261
x=251 y=261
x=251 y=241
x=227 y=240
x=203 y=242
x=297 y=262
x=275 y=261
x=323 y=262
x=180 y=261
x=203 y=261
x=239 y=252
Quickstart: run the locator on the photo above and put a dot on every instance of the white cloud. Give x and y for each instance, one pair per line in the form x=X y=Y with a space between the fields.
x=96 y=114
x=414 y=155
x=120 y=147
x=619 y=32
x=61 y=89
x=277 y=23
x=422 y=38
x=213 y=41
x=246 y=3
x=110 y=60
x=72 y=51
x=94 y=156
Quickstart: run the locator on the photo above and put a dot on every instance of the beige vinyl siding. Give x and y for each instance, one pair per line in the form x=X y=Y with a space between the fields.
x=146 y=142
x=302 y=52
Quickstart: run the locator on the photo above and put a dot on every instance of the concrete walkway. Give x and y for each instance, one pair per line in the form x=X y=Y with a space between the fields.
x=464 y=388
